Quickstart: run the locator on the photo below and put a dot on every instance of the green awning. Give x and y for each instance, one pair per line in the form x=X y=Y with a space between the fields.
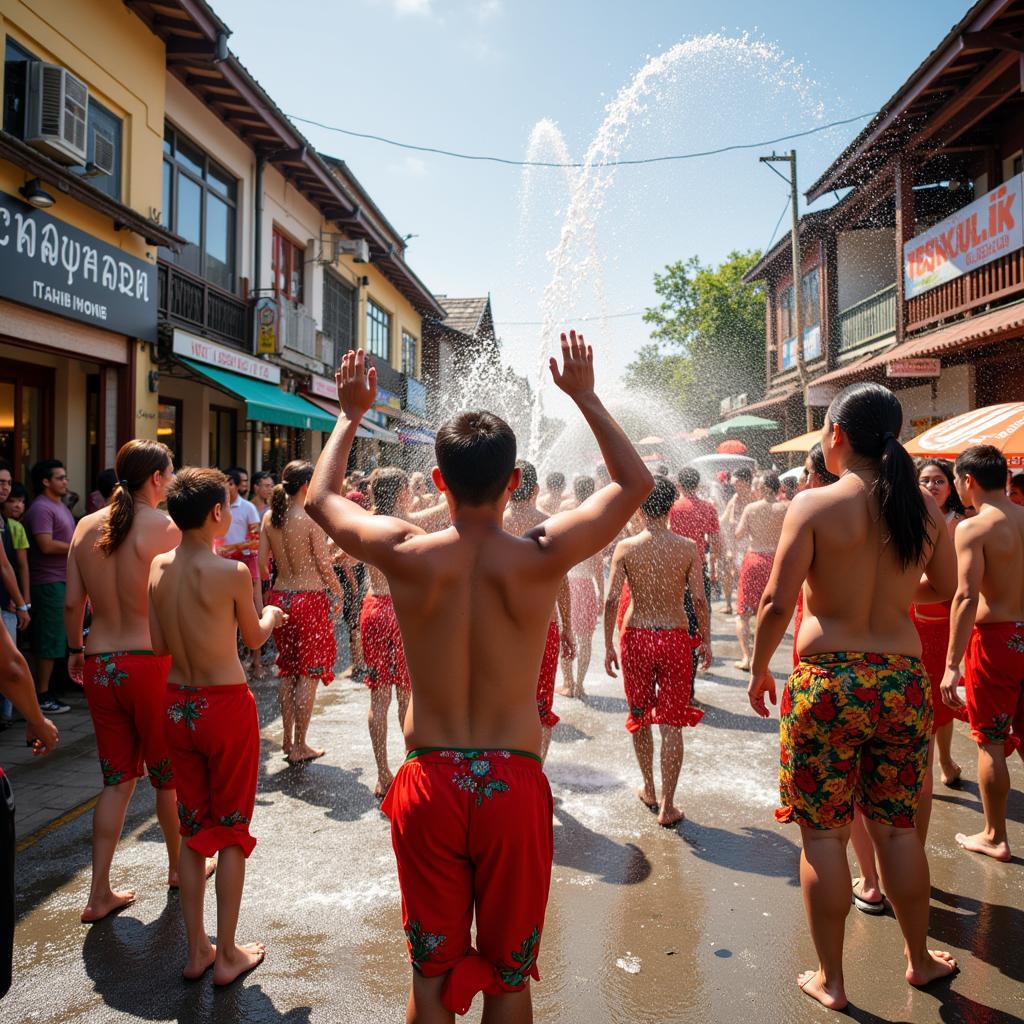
x=266 y=402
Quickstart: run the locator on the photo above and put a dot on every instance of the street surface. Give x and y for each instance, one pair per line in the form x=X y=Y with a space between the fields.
x=700 y=924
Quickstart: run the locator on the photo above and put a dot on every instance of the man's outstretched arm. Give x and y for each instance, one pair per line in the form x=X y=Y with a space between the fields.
x=366 y=537
x=573 y=536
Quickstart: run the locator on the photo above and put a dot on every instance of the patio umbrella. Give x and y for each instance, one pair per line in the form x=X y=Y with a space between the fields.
x=651 y=439
x=803 y=443
x=998 y=425
x=744 y=422
x=732 y=447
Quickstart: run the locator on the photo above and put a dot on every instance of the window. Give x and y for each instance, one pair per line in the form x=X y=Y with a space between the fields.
x=102 y=120
x=223 y=437
x=287 y=261
x=810 y=315
x=199 y=201
x=339 y=313
x=408 y=354
x=16 y=62
x=811 y=312
x=378 y=331
x=786 y=313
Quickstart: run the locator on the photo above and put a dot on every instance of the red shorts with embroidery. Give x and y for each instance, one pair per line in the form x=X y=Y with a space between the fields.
x=125 y=691
x=755 y=569
x=472 y=834
x=657 y=675
x=214 y=736
x=382 y=643
x=994 y=674
x=546 y=679
x=934 y=633
x=585 y=609
x=305 y=644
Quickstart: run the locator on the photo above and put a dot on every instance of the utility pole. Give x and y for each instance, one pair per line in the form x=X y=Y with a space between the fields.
x=801 y=366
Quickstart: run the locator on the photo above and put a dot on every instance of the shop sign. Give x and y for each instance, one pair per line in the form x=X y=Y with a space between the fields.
x=265 y=326
x=415 y=396
x=913 y=368
x=203 y=351
x=978 y=233
x=323 y=387
x=375 y=417
x=49 y=265
x=388 y=401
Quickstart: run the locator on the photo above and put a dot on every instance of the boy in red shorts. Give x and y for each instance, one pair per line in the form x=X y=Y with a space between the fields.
x=471 y=809
x=657 y=667
x=521 y=516
x=197 y=601
x=987 y=633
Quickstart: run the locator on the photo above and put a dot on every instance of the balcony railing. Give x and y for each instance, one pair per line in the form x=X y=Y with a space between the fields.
x=1000 y=279
x=189 y=300
x=298 y=330
x=868 y=320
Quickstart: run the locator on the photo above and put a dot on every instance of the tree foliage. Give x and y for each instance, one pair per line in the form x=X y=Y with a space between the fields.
x=708 y=335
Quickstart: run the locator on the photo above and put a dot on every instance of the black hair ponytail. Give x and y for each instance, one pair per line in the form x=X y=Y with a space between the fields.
x=294 y=477
x=871 y=417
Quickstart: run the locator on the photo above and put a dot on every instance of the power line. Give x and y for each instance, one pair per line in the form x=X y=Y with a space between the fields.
x=604 y=163
x=572 y=319
x=785 y=207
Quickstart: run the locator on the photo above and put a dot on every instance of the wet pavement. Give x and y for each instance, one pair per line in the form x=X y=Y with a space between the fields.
x=701 y=923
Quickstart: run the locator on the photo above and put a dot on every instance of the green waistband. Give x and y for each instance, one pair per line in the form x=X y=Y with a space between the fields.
x=118 y=654
x=470 y=752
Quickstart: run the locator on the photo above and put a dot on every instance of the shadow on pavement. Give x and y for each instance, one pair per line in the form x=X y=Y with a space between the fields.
x=719 y=718
x=756 y=851
x=566 y=733
x=1014 y=804
x=980 y=927
x=616 y=705
x=136 y=968
x=579 y=847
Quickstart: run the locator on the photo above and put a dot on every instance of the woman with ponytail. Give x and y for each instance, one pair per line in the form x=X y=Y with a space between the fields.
x=125 y=682
x=306 y=648
x=856 y=712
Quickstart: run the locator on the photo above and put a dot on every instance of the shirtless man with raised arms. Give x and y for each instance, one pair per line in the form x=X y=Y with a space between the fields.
x=124 y=681
x=471 y=809
x=987 y=634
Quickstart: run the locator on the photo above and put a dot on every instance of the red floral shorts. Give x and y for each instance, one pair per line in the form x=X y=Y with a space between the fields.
x=855 y=728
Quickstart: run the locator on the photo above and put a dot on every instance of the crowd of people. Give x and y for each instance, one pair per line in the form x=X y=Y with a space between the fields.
x=902 y=582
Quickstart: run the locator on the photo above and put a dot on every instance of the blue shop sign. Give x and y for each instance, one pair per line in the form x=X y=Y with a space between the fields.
x=415 y=396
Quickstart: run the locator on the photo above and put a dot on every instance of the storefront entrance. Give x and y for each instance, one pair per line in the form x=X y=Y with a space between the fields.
x=26 y=415
x=280 y=446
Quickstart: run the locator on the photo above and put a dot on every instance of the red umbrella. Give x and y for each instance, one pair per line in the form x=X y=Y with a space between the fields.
x=732 y=447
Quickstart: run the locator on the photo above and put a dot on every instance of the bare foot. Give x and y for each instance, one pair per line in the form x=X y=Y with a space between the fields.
x=669 y=816
x=813 y=984
x=952 y=777
x=578 y=693
x=647 y=798
x=109 y=903
x=231 y=966
x=980 y=843
x=173 y=880
x=564 y=691
x=299 y=755
x=383 y=785
x=286 y=750
x=743 y=666
x=196 y=966
x=939 y=964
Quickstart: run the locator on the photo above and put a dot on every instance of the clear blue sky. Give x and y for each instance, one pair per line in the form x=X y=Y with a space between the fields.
x=476 y=75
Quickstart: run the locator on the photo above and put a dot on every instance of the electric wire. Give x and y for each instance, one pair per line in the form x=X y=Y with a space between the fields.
x=577 y=164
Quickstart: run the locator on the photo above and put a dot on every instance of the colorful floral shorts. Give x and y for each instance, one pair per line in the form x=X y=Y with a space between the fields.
x=472 y=835
x=855 y=728
x=994 y=674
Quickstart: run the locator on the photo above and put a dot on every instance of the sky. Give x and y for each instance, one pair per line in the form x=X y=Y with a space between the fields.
x=476 y=76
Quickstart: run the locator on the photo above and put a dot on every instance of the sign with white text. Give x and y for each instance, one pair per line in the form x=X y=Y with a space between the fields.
x=323 y=387
x=203 y=351
x=913 y=368
x=978 y=233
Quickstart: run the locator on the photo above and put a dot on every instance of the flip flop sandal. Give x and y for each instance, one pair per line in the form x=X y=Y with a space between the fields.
x=867 y=906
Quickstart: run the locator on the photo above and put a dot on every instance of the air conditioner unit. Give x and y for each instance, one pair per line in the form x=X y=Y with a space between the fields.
x=357 y=248
x=103 y=154
x=57 y=109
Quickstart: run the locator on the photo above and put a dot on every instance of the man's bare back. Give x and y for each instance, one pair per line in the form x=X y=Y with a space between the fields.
x=117 y=583
x=474 y=602
x=300 y=552
x=761 y=524
x=657 y=565
x=857 y=592
x=1000 y=534
x=196 y=601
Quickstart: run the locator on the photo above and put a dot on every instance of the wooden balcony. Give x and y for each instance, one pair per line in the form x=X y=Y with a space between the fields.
x=868 y=320
x=1001 y=279
x=194 y=303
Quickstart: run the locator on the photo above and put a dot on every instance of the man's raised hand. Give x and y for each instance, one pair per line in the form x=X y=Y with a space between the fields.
x=357 y=386
x=576 y=377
